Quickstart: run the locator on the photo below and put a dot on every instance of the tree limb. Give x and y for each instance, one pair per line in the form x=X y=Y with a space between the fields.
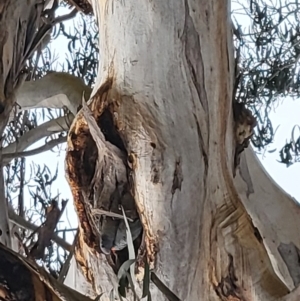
x=64 y=271
x=12 y=265
x=53 y=126
x=274 y=213
x=47 y=146
x=5 y=237
x=54 y=90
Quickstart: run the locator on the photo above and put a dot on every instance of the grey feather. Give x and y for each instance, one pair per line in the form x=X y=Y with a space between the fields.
x=109 y=231
x=120 y=239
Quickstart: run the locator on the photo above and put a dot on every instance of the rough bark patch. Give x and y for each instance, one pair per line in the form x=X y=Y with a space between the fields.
x=227 y=289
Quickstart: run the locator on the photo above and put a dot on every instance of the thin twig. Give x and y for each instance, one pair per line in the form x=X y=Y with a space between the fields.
x=47 y=146
x=96 y=211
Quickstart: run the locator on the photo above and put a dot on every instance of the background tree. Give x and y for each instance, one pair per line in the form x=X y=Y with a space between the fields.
x=167 y=126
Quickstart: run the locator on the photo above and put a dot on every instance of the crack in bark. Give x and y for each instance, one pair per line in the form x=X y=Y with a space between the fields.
x=202 y=148
x=156 y=164
x=195 y=64
x=177 y=177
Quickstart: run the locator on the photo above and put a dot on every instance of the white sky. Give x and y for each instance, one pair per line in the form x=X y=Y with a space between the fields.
x=285 y=116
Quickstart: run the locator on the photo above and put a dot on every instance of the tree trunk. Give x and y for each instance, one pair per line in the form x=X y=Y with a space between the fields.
x=166 y=80
x=166 y=75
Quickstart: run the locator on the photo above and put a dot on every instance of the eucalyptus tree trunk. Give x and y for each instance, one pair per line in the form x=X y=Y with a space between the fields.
x=166 y=76
x=211 y=231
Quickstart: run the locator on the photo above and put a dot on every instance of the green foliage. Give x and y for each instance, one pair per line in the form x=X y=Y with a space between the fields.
x=268 y=53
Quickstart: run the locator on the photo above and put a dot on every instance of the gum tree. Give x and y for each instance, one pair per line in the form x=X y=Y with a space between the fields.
x=164 y=136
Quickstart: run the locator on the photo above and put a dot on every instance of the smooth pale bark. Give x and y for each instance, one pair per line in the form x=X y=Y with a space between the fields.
x=166 y=74
x=55 y=90
x=275 y=214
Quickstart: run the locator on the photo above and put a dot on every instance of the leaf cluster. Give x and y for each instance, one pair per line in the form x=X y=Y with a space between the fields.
x=267 y=61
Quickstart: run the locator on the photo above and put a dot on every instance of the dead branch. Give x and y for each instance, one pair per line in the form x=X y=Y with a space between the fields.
x=22 y=223
x=46 y=231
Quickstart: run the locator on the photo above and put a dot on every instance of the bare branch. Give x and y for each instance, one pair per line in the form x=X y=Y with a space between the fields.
x=66 y=17
x=47 y=146
x=46 y=230
x=21 y=222
x=53 y=126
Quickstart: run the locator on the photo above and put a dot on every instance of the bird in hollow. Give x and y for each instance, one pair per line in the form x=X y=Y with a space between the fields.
x=114 y=236
x=113 y=230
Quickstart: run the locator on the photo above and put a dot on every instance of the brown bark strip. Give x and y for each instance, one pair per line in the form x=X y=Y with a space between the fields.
x=228 y=289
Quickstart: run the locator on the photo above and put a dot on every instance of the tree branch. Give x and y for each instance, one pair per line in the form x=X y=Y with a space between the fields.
x=5 y=237
x=53 y=126
x=54 y=90
x=32 y=277
x=21 y=222
x=66 y=17
x=64 y=271
x=274 y=213
x=47 y=146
